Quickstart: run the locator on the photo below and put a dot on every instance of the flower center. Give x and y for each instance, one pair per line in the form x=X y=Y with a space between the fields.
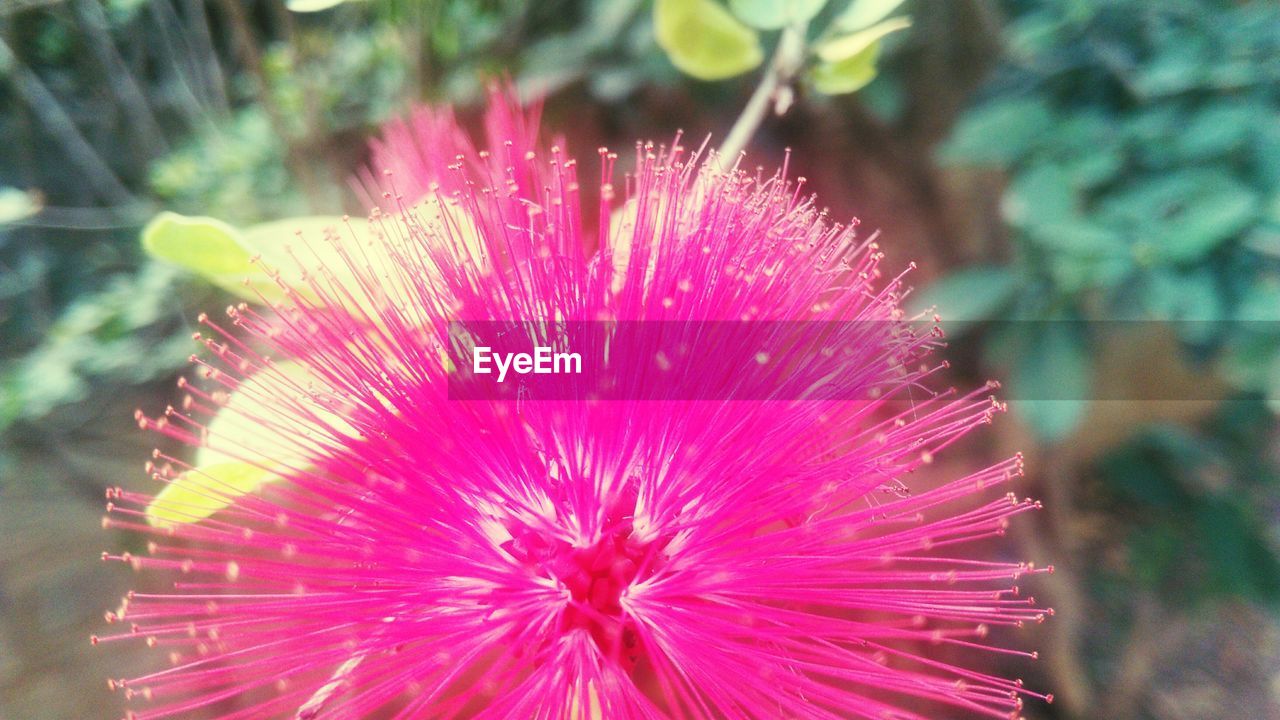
x=596 y=577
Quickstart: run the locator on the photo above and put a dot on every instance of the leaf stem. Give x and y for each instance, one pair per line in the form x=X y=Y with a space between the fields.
x=774 y=89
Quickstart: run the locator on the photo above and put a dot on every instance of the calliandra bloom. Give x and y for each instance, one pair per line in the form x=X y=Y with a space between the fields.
x=358 y=542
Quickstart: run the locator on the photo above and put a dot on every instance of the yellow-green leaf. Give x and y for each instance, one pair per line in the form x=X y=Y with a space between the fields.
x=207 y=246
x=855 y=43
x=704 y=40
x=296 y=249
x=199 y=493
x=848 y=75
x=271 y=424
x=273 y=419
x=865 y=13
x=222 y=254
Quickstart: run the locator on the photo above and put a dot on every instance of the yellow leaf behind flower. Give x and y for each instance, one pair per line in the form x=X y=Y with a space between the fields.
x=199 y=493
x=269 y=425
x=704 y=39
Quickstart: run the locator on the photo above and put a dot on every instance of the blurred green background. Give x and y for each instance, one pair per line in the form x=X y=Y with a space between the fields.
x=1110 y=166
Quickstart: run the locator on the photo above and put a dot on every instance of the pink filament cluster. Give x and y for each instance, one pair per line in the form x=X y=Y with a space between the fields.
x=561 y=560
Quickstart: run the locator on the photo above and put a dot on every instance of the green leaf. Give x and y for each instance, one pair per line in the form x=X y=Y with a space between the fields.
x=704 y=40
x=1193 y=541
x=1239 y=559
x=1074 y=274
x=1041 y=195
x=775 y=14
x=1265 y=236
x=298 y=251
x=1144 y=469
x=1180 y=66
x=886 y=99
x=1247 y=361
x=1184 y=215
x=1043 y=202
x=1032 y=34
x=1049 y=386
x=1261 y=302
x=1000 y=132
x=208 y=247
x=1215 y=216
x=864 y=13
x=1154 y=551
x=855 y=43
x=1087 y=147
x=967 y=297
x=1218 y=129
x=1192 y=300
x=848 y=75
x=1095 y=167
x=125 y=333
x=224 y=255
x=1266 y=155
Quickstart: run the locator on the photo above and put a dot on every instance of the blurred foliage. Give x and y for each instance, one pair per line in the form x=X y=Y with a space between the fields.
x=324 y=85
x=124 y=332
x=1139 y=149
x=236 y=169
x=1197 y=503
x=1143 y=155
x=241 y=110
x=1137 y=140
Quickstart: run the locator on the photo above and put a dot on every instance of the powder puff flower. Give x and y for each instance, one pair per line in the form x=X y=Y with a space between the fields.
x=354 y=539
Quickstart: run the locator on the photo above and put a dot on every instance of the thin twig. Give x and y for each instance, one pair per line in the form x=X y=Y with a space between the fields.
x=143 y=121
x=188 y=102
x=774 y=90
x=59 y=124
x=205 y=55
x=177 y=54
x=91 y=218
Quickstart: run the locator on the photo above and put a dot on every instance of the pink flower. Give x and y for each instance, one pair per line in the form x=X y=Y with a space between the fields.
x=358 y=542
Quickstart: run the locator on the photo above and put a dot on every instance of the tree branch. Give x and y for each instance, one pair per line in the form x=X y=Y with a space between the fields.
x=774 y=89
